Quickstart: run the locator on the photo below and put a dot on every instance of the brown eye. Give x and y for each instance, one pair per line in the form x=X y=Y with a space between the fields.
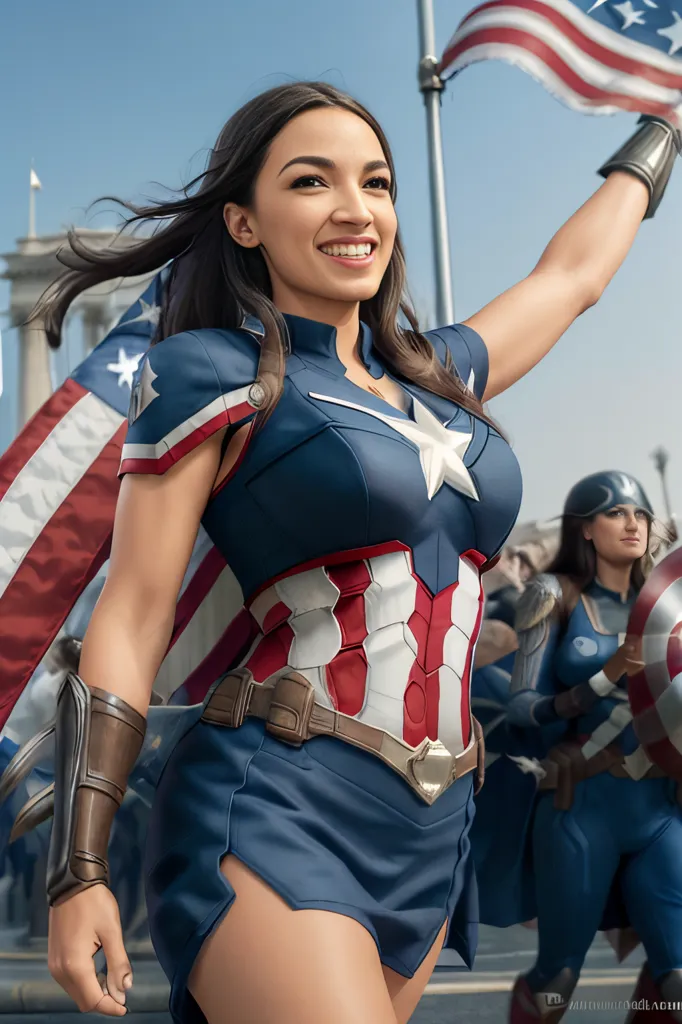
x=310 y=181
x=382 y=184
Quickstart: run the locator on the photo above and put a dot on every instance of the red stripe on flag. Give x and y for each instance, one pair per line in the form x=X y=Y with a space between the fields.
x=36 y=431
x=196 y=590
x=235 y=641
x=610 y=58
x=57 y=568
x=524 y=41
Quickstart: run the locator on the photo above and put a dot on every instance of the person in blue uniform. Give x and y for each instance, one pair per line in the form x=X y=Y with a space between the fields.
x=605 y=833
x=308 y=849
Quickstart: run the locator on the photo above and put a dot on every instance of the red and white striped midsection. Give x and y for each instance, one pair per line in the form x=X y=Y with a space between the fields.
x=375 y=643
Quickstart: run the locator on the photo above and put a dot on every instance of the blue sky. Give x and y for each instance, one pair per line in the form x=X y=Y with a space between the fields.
x=112 y=97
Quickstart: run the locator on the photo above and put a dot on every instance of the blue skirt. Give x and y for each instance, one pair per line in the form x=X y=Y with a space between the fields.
x=326 y=826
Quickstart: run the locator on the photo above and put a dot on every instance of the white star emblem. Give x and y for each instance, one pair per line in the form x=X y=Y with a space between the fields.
x=125 y=367
x=673 y=33
x=144 y=389
x=440 y=450
x=148 y=312
x=629 y=14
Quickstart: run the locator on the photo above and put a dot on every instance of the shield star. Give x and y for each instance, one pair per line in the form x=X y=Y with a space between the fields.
x=441 y=450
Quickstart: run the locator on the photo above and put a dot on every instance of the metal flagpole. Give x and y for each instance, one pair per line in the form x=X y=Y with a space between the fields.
x=431 y=86
x=660 y=458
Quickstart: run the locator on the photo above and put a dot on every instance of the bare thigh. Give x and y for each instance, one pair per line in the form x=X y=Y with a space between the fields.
x=265 y=962
x=405 y=993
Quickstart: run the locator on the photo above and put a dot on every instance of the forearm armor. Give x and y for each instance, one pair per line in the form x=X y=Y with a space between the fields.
x=648 y=155
x=98 y=738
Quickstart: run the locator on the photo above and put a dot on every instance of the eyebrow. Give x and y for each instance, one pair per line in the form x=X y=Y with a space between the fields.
x=323 y=161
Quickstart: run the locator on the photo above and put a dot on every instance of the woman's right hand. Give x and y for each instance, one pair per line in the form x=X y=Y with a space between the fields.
x=78 y=928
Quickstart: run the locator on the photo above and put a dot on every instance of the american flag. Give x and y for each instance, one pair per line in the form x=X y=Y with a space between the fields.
x=597 y=56
x=58 y=491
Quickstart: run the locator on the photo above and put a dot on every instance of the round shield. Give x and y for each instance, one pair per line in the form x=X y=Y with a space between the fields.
x=656 y=691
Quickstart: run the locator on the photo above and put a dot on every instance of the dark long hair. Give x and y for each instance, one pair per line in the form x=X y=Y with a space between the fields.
x=214 y=282
x=577 y=557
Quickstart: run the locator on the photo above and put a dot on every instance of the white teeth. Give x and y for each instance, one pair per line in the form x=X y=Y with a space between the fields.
x=359 y=251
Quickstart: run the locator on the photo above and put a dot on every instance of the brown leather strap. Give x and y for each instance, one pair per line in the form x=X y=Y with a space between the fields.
x=565 y=765
x=291 y=714
x=98 y=738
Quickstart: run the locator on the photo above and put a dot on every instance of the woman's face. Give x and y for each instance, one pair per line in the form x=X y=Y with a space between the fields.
x=620 y=535
x=322 y=212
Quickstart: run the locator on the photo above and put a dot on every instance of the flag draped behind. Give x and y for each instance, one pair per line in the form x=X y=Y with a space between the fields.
x=597 y=56
x=58 y=492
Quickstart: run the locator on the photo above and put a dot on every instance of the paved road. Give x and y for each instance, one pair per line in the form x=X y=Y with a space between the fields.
x=452 y=997
x=483 y=995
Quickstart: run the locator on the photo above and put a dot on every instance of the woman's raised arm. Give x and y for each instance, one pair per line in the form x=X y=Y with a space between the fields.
x=520 y=326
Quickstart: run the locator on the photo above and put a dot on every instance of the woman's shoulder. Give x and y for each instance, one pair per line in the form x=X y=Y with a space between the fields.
x=547 y=595
x=187 y=387
x=461 y=348
x=231 y=356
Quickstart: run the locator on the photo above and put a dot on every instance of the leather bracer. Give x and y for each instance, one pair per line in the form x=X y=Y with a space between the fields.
x=649 y=155
x=98 y=737
x=575 y=702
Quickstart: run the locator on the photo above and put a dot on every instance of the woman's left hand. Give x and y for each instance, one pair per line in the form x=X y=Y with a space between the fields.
x=632 y=651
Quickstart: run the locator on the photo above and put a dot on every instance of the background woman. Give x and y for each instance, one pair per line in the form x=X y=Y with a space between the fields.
x=607 y=828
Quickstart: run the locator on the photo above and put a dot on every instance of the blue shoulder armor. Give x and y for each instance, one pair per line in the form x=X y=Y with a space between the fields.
x=534 y=684
x=189 y=386
x=464 y=350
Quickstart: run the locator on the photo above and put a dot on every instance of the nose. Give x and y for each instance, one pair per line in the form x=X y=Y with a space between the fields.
x=352 y=208
x=632 y=524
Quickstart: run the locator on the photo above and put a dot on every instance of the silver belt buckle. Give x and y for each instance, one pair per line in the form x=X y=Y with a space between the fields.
x=431 y=769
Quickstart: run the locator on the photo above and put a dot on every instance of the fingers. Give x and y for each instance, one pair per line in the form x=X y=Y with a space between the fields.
x=119 y=971
x=632 y=648
x=79 y=980
x=79 y=927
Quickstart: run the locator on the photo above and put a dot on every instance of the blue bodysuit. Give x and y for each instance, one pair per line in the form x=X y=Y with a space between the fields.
x=619 y=845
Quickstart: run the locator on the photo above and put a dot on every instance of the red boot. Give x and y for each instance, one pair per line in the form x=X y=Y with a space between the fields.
x=646 y=993
x=525 y=1009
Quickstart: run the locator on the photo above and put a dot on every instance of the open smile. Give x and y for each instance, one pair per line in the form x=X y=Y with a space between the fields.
x=359 y=253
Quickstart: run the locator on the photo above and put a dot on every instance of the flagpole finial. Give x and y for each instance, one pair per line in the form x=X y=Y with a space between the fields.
x=34 y=186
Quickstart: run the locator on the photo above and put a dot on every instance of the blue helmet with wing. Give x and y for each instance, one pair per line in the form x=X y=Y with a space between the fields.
x=599 y=492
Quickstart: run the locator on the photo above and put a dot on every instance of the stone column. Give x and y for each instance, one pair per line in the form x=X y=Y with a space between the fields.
x=35 y=382
x=94 y=326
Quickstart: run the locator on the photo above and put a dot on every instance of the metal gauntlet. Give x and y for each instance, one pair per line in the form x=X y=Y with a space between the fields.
x=98 y=737
x=649 y=154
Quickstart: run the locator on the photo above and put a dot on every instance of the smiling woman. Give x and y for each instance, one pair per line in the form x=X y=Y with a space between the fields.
x=308 y=850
